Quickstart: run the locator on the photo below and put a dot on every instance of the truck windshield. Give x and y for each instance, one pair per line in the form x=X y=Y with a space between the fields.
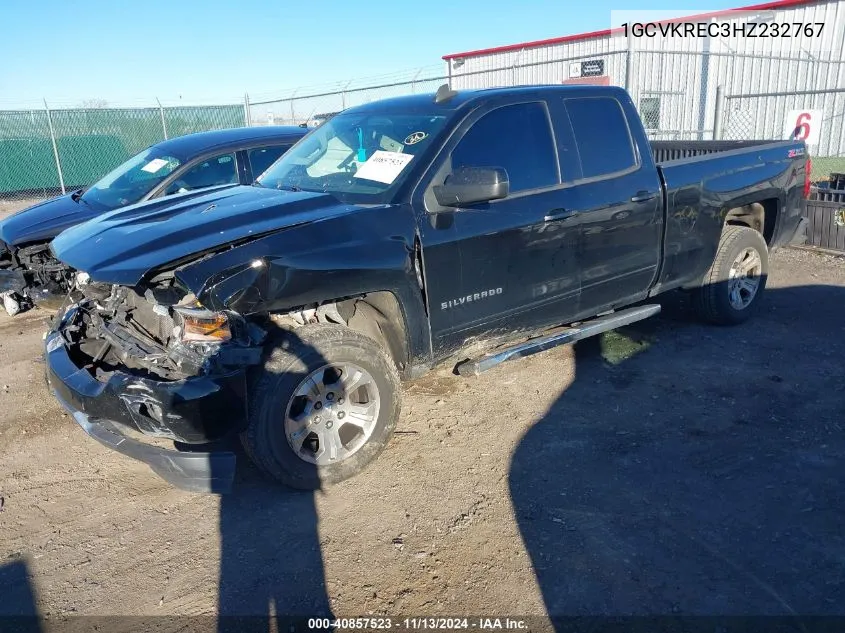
x=130 y=181
x=357 y=157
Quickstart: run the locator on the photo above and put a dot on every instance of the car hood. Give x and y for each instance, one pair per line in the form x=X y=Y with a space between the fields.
x=123 y=245
x=44 y=221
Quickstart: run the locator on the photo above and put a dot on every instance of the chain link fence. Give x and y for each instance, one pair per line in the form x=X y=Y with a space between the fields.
x=298 y=110
x=45 y=152
x=815 y=115
x=680 y=96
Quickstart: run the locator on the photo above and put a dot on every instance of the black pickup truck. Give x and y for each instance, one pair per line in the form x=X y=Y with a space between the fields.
x=466 y=228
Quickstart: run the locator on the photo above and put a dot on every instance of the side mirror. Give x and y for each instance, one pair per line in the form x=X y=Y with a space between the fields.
x=469 y=185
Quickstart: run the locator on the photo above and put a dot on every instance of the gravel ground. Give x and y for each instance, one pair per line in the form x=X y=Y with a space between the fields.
x=665 y=468
x=7 y=207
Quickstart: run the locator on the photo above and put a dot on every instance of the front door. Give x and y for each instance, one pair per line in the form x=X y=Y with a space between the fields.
x=508 y=264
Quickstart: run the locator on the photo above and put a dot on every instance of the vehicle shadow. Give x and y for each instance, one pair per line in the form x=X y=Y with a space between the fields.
x=18 y=613
x=271 y=567
x=692 y=469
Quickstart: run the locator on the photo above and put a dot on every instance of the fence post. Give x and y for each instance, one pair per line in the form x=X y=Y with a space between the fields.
x=343 y=95
x=161 y=114
x=55 y=146
x=717 y=114
x=629 y=70
x=515 y=65
x=247 y=112
x=292 y=115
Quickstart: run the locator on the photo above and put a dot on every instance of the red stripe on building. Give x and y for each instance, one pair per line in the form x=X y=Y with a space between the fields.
x=604 y=80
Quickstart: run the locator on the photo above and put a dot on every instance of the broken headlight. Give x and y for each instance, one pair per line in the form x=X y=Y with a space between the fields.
x=196 y=324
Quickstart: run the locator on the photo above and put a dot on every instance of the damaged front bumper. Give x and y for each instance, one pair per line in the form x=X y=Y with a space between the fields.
x=117 y=409
x=15 y=288
x=31 y=276
x=194 y=472
x=11 y=281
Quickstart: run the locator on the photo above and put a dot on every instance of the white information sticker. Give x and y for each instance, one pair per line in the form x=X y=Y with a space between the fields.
x=384 y=166
x=154 y=165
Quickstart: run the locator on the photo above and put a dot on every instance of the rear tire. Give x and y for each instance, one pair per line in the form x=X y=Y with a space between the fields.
x=322 y=408
x=732 y=288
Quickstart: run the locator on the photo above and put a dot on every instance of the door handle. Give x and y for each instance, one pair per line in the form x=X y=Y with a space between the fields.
x=644 y=196
x=559 y=214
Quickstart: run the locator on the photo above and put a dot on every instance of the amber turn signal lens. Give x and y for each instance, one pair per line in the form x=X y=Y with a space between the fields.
x=202 y=325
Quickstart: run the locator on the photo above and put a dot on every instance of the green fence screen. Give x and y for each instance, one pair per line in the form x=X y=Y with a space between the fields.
x=90 y=142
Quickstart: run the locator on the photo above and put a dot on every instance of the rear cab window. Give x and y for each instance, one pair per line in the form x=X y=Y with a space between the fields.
x=602 y=136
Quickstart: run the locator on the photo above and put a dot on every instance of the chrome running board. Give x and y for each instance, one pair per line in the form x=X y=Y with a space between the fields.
x=583 y=330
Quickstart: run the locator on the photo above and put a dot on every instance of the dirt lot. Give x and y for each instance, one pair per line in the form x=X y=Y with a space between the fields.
x=667 y=468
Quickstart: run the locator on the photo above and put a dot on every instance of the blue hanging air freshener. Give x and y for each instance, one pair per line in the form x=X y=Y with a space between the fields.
x=362 y=153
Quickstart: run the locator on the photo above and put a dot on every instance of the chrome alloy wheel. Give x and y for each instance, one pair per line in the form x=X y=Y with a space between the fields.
x=744 y=278
x=332 y=413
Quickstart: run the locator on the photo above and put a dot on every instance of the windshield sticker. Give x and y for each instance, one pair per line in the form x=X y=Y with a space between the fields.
x=383 y=166
x=416 y=137
x=154 y=165
x=390 y=145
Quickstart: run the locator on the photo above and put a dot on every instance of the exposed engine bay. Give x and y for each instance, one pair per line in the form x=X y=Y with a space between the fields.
x=161 y=333
x=30 y=275
x=164 y=333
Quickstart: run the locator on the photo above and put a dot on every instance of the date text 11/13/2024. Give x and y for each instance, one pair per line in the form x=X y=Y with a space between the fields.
x=418 y=624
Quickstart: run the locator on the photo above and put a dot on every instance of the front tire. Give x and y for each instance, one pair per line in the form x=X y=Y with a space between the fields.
x=323 y=407
x=732 y=288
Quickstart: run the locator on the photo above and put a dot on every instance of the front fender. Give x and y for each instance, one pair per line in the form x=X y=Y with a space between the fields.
x=345 y=256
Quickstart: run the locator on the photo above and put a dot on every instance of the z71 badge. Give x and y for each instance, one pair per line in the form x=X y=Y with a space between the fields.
x=475 y=296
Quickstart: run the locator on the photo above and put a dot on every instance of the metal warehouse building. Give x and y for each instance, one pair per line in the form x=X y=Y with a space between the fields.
x=742 y=85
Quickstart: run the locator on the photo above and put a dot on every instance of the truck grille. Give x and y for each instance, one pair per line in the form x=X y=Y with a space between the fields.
x=141 y=311
x=132 y=310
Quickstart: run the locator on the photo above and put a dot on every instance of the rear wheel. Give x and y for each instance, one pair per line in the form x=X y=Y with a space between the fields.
x=323 y=407
x=735 y=282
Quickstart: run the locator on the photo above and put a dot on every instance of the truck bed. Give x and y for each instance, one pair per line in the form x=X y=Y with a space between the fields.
x=702 y=180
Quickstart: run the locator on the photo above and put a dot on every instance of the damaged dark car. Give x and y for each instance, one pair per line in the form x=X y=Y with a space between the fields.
x=468 y=228
x=31 y=276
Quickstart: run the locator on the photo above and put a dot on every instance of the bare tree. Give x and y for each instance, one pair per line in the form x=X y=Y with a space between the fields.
x=92 y=104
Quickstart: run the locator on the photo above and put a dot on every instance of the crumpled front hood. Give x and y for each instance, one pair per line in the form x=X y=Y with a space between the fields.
x=123 y=245
x=44 y=221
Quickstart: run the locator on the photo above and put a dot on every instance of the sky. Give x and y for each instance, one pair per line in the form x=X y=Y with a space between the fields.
x=205 y=51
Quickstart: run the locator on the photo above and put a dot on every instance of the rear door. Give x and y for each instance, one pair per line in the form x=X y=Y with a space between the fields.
x=508 y=264
x=618 y=202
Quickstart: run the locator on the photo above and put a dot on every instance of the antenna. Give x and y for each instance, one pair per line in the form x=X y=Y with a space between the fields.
x=444 y=93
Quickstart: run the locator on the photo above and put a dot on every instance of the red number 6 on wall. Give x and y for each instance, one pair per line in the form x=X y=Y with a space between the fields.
x=803 y=125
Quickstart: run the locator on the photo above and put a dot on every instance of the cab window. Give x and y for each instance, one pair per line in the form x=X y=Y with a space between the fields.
x=517 y=137
x=217 y=170
x=601 y=135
